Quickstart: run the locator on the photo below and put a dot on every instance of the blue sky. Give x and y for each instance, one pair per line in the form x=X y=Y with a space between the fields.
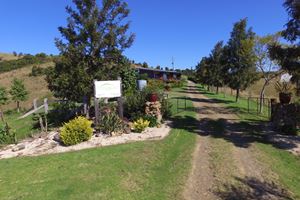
x=186 y=29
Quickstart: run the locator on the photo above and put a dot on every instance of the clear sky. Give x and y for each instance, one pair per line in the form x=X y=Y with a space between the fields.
x=184 y=29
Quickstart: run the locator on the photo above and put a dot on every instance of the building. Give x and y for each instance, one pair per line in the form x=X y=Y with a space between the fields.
x=159 y=74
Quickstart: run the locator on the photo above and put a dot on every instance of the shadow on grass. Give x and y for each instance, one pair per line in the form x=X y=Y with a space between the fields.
x=252 y=188
x=240 y=133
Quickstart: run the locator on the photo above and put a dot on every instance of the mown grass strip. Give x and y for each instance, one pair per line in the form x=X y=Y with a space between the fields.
x=139 y=170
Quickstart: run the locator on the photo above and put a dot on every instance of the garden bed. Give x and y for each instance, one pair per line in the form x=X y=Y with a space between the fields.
x=47 y=144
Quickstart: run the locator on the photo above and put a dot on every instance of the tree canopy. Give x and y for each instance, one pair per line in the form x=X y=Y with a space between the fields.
x=90 y=48
x=240 y=57
x=289 y=56
x=18 y=92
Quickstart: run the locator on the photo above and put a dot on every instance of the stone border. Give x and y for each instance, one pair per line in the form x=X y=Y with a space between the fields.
x=47 y=145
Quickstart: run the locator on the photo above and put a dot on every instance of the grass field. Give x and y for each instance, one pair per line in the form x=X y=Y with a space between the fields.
x=141 y=170
x=281 y=162
x=8 y=56
x=22 y=127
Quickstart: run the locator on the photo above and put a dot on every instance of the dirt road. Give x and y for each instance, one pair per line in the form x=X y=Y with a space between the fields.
x=224 y=164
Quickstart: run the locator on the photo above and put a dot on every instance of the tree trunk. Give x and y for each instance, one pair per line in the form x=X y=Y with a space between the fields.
x=237 y=95
x=261 y=97
x=217 y=89
x=18 y=106
x=208 y=88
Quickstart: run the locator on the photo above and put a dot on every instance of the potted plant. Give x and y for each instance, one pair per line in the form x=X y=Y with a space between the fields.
x=152 y=94
x=285 y=91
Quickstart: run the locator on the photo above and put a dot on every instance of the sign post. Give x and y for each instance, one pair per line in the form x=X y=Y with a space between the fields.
x=106 y=89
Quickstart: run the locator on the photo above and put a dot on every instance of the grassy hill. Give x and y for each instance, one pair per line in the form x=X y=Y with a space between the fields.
x=7 y=57
x=36 y=85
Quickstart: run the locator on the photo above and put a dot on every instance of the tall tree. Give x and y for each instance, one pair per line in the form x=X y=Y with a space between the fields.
x=18 y=92
x=265 y=65
x=240 y=58
x=3 y=100
x=203 y=72
x=288 y=57
x=91 y=48
x=216 y=66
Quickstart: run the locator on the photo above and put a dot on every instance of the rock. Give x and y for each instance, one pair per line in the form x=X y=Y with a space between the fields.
x=56 y=137
x=18 y=147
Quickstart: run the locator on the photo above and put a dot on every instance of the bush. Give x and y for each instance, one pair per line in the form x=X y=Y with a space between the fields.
x=140 y=125
x=111 y=124
x=155 y=84
x=37 y=71
x=7 y=136
x=76 y=131
x=129 y=80
x=134 y=104
x=152 y=120
x=166 y=108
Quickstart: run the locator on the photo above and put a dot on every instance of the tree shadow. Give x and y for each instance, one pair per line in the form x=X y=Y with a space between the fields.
x=212 y=100
x=254 y=189
x=243 y=133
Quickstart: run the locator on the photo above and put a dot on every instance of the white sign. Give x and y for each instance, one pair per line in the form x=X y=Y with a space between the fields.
x=107 y=89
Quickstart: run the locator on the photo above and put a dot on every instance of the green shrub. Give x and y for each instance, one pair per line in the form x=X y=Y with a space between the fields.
x=155 y=84
x=129 y=80
x=140 y=125
x=76 y=131
x=166 y=108
x=134 y=104
x=7 y=136
x=9 y=65
x=111 y=124
x=152 y=120
x=37 y=71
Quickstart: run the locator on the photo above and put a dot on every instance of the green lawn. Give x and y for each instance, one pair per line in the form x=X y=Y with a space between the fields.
x=22 y=127
x=283 y=163
x=140 y=170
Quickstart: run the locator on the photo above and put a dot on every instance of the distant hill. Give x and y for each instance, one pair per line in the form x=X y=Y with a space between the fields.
x=36 y=85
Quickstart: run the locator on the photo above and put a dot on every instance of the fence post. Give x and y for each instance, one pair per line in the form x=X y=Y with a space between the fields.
x=46 y=105
x=120 y=101
x=97 y=113
x=34 y=104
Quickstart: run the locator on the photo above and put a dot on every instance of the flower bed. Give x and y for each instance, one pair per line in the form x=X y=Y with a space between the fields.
x=48 y=144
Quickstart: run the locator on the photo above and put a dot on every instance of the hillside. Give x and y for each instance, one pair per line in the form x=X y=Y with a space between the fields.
x=36 y=85
x=7 y=57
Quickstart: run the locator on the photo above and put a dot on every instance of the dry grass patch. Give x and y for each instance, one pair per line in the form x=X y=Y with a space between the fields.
x=36 y=85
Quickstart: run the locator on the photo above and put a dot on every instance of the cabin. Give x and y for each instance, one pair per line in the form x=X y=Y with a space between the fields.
x=159 y=74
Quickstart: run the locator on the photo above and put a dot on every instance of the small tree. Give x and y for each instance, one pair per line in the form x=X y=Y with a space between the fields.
x=145 y=65
x=3 y=100
x=240 y=58
x=267 y=67
x=18 y=92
